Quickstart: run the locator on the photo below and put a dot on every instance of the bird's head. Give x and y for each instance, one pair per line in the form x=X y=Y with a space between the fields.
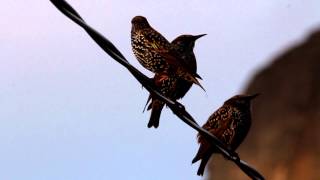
x=186 y=42
x=139 y=22
x=241 y=100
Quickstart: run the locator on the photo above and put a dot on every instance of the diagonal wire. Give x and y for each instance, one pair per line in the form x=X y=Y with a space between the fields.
x=177 y=108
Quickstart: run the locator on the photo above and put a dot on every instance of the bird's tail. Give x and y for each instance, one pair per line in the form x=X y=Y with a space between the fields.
x=203 y=149
x=203 y=163
x=204 y=153
x=156 y=107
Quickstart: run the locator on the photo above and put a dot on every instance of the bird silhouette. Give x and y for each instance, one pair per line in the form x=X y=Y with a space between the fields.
x=156 y=53
x=230 y=124
x=172 y=86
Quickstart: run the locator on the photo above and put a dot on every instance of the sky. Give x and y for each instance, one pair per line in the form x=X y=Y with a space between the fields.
x=70 y=112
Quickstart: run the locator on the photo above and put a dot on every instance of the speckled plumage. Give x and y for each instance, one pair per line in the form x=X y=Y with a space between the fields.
x=230 y=124
x=155 y=53
x=174 y=87
x=166 y=85
x=146 y=45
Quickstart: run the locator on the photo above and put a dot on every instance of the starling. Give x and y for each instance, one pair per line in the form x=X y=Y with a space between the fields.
x=155 y=52
x=171 y=86
x=230 y=124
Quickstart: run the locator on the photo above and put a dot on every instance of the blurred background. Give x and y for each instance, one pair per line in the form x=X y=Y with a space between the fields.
x=68 y=111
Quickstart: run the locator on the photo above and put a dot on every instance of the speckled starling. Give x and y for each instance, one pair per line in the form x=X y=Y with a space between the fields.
x=230 y=124
x=155 y=53
x=171 y=86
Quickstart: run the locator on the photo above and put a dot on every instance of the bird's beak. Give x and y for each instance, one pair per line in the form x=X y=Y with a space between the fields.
x=250 y=97
x=198 y=36
x=195 y=81
x=198 y=83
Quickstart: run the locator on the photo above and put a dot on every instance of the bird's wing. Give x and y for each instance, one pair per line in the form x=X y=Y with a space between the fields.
x=171 y=58
x=241 y=128
x=155 y=40
x=160 y=45
x=218 y=121
x=175 y=61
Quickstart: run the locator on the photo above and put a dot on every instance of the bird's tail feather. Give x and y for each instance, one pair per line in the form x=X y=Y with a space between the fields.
x=157 y=107
x=203 y=163
x=203 y=149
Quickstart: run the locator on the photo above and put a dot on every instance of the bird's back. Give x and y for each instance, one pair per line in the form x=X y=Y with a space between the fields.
x=229 y=124
x=147 y=44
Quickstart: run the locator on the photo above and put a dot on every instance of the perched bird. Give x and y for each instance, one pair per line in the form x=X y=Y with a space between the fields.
x=155 y=53
x=230 y=124
x=173 y=87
